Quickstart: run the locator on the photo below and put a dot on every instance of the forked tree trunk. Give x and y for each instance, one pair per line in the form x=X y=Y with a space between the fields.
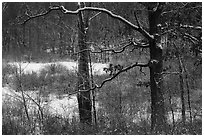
x=84 y=99
x=158 y=120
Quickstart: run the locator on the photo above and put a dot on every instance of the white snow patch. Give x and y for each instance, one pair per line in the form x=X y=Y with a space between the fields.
x=98 y=68
x=72 y=66
x=9 y=93
x=28 y=68
x=66 y=107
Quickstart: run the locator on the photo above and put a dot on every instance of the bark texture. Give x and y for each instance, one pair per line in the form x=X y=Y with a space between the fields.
x=158 y=120
x=84 y=98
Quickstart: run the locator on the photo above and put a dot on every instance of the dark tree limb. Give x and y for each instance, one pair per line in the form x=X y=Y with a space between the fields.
x=39 y=15
x=123 y=70
x=131 y=43
x=96 y=86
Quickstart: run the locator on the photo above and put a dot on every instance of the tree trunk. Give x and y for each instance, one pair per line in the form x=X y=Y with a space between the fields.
x=61 y=46
x=172 y=111
x=158 y=120
x=84 y=99
x=188 y=91
x=31 y=46
x=93 y=95
x=182 y=91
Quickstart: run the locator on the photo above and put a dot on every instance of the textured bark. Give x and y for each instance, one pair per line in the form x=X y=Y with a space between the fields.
x=158 y=120
x=84 y=99
x=93 y=94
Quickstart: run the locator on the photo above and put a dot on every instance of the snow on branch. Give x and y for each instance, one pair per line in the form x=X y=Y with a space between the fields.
x=140 y=44
x=191 y=27
x=94 y=16
x=111 y=14
x=108 y=12
x=170 y=73
x=192 y=38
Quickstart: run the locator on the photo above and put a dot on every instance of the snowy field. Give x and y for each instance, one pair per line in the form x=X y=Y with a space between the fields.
x=72 y=66
x=65 y=106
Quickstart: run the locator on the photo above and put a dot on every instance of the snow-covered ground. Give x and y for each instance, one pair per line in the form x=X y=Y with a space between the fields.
x=65 y=106
x=72 y=66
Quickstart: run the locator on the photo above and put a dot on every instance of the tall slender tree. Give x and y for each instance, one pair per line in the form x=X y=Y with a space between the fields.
x=84 y=96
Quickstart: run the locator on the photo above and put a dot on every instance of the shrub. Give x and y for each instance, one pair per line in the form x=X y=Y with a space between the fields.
x=7 y=72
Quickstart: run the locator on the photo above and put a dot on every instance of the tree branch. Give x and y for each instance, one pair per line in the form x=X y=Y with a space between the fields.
x=140 y=44
x=40 y=15
x=175 y=10
x=138 y=23
x=131 y=43
x=111 y=14
x=112 y=50
x=111 y=78
x=94 y=16
x=170 y=73
x=123 y=70
x=181 y=8
x=191 y=27
x=192 y=38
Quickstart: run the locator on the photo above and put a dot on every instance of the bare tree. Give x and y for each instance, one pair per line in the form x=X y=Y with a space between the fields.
x=84 y=97
x=152 y=34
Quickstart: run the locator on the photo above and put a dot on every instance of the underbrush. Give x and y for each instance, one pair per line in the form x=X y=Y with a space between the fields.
x=56 y=125
x=7 y=72
x=54 y=78
x=123 y=106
